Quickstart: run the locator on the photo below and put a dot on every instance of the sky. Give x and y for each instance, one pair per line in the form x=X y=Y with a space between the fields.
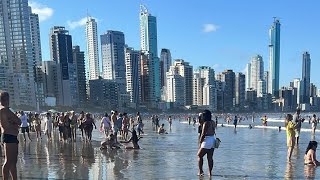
x=223 y=34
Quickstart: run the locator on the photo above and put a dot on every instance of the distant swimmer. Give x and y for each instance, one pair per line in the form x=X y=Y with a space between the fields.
x=250 y=126
x=235 y=122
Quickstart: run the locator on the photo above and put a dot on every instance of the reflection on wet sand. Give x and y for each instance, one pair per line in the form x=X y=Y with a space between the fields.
x=57 y=160
x=289 y=171
x=309 y=172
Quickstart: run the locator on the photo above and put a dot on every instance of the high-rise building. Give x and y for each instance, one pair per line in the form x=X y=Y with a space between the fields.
x=165 y=63
x=305 y=81
x=274 y=64
x=113 y=58
x=204 y=88
x=197 y=89
x=261 y=88
x=133 y=75
x=16 y=52
x=266 y=79
x=297 y=85
x=248 y=76
x=79 y=61
x=37 y=56
x=92 y=48
x=61 y=54
x=240 y=89
x=185 y=70
x=176 y=87
x=228 y=76
x=149 y=45
x=104 y=93
x=257 y=70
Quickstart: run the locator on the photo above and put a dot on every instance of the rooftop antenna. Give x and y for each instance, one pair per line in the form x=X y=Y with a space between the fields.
x=88 y=16
x=143 y=9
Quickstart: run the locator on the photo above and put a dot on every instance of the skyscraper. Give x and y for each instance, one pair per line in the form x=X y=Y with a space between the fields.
x=113 y=58
x=133 y=75
x=257 y=70
x=92 y=48
x=185 y=70
x=240 y=89
x=16 y=53
x=61 y=54
x=274 y=65
x=165 y=63
x=175 y=87
x=37 y=57
x=78 y=58
x=149 y=45
x=305 y=81
x=248 y=76
x=228 y=76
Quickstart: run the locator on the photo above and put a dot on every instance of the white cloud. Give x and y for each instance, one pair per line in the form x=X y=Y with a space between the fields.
x=210 y=28
x=216 y=66
x=76 y=24
x=81 y=22
x=42 y=10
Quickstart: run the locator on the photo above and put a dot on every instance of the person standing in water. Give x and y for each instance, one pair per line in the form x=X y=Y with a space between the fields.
x=314 y=124
x=297 y=120
x=37 y=125
x=9 y=123
x=170 y=121
x=48 y=125
x=235 y=122
x=24 y=125
x=207 y=142
x=290 y=128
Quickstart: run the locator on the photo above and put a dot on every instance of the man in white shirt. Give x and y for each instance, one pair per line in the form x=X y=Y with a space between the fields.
x=24 y=125
x=105 y=125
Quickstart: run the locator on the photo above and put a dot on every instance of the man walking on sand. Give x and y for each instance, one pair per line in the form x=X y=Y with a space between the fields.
x=10 y=124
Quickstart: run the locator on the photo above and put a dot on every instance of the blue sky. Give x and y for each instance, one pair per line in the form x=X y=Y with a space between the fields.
x=224 y=34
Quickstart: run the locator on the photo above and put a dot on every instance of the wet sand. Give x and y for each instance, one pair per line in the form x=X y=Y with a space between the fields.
x=243 y=154
x=59 y=160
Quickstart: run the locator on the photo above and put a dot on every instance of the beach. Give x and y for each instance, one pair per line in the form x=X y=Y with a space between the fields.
x=258 y=153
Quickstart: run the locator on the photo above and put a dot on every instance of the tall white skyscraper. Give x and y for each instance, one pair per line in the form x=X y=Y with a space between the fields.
x=297 y=85
x=257 y=70
x=175 y=87
x=133 y=74
x=248 y=76
x=16 y=52
x=92 y=48
x=197 y=89
x=185 y=70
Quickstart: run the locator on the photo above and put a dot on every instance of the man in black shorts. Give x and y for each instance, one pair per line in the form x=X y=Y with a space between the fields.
x=10 y=129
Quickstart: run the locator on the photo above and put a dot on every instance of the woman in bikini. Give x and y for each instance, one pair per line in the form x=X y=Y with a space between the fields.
x=207 y=141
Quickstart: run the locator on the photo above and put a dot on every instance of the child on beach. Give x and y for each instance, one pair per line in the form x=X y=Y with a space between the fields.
x=134 y=139
x=109 y=143
x=162 y=130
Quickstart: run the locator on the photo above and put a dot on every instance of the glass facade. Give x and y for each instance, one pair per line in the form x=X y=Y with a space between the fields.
x=274 y=48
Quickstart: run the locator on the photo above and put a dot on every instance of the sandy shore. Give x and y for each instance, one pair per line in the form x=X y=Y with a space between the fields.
x=73 y=160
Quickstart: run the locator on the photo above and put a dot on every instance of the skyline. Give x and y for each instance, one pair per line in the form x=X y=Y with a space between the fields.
x=235 y=42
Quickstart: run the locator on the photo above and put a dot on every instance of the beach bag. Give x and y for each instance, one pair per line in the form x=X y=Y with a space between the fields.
x=217 y=143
